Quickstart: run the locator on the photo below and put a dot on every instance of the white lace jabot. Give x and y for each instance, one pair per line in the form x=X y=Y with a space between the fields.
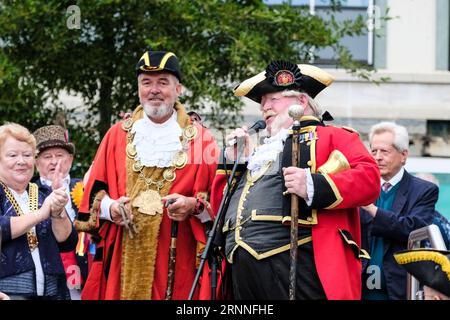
x=267 y=152
x=156 y=143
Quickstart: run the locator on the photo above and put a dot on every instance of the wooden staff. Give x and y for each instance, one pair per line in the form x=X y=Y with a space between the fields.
x=172 y=255
x=295 y=112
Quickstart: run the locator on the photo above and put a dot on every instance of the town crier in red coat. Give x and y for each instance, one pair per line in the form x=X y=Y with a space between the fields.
x=334 y=175
x=152 y=171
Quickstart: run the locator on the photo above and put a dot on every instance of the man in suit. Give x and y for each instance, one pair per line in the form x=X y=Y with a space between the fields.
x=406 y=203
x=53 y=146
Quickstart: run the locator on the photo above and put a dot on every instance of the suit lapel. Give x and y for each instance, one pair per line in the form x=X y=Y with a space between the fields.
x=402 y=193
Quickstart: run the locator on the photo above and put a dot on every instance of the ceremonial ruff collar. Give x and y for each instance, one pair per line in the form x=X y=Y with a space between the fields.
x=267 y=152
x=156 y=143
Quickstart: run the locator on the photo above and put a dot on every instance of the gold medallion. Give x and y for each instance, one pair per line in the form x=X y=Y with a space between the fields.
x=169 y=174
x=33 y=242
x=137 y=166
x=190 y=132
x=127 y=124
x=180 y=159
x=149 y=202
x=131 y=150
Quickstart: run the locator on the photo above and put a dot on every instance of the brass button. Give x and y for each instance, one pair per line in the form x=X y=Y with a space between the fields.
x=309 y=219
x=308 y=143
x=309 y=163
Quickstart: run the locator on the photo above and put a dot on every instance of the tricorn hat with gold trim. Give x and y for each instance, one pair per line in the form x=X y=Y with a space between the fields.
x=152 y=61
x=430 y=267
x=283 y=75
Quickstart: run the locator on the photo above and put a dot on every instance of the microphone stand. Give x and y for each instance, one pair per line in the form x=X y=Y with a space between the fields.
x=212 y=233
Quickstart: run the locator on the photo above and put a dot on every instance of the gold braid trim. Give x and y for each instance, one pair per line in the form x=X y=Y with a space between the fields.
x=91 y=224
x=424 y=255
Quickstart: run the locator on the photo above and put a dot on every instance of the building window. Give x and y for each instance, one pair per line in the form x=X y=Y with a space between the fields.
x=438 y=128
x=361 y=47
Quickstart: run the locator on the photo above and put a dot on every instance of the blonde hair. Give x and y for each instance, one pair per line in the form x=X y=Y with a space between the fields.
x=17 y=132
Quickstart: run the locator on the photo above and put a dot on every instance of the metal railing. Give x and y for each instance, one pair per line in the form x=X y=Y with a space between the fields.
x=433 y=234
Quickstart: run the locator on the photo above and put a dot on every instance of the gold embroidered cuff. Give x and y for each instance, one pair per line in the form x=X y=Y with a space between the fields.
x=91 y=224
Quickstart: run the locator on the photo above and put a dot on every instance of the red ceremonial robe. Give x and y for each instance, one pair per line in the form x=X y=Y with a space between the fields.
x=108 y=172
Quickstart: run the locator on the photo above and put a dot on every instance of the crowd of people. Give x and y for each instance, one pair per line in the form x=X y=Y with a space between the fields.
x=310 y=212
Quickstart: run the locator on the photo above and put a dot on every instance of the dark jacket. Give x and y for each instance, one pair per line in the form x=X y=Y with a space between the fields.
x=16 y=262
x=413 y=208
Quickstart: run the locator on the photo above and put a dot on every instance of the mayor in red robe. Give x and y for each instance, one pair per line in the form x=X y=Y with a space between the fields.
x=139 y=165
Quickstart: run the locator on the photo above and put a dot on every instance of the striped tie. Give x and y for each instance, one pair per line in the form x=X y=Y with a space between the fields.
x=386 y=186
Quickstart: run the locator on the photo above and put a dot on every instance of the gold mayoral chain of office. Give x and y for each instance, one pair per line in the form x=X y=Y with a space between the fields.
x=32 y=205
x=149 y=201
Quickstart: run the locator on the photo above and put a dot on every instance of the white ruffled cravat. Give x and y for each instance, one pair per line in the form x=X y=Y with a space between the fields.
x=156 y=143
x=267 y=152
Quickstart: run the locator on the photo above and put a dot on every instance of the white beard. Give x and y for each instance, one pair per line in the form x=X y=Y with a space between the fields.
x=278 y=123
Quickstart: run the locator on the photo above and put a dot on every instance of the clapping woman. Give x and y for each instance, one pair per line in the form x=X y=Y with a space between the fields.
x=35 y=227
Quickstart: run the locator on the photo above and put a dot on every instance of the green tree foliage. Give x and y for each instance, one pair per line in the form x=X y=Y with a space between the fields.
x=219 y=43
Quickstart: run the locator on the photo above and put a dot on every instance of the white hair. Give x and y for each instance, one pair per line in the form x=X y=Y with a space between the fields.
x=401 y=137
x=317 y=111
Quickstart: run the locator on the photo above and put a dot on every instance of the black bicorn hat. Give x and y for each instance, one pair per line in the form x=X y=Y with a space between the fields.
x=283 y=75
x=152 y=61
x=430 y=267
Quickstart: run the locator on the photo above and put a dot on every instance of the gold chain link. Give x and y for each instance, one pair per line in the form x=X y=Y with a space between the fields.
x=32 y=205
x=169 y=174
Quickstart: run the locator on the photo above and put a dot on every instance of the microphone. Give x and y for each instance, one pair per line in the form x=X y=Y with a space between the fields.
x=258 y=125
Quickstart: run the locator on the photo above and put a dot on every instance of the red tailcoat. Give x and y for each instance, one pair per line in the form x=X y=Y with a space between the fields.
x=109 y=172
x=337 y=260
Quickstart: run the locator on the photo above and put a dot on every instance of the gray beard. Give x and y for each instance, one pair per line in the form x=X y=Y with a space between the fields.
x=156 y=112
